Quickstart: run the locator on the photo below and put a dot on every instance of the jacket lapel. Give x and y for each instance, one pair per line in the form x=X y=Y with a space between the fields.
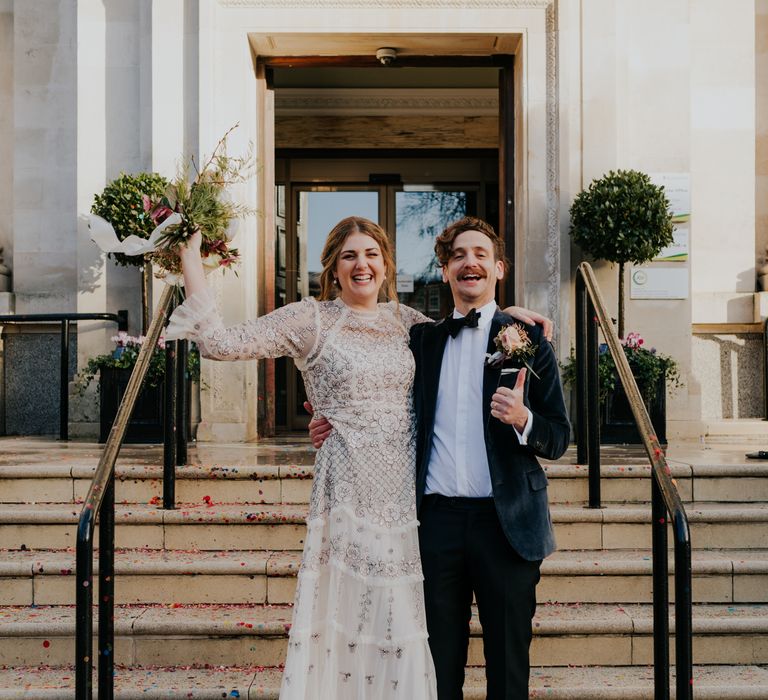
x=435 y=338
x=491 y=375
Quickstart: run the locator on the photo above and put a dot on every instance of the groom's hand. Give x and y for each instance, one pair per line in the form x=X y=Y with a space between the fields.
x=507 y=404
x=319 y=428
x=531 y=317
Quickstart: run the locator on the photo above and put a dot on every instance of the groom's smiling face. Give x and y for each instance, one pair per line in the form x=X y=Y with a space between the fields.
x=472 y=270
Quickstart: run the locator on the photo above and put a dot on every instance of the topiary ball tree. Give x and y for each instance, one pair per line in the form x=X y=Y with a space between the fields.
x=622 y=217
x=121 y=204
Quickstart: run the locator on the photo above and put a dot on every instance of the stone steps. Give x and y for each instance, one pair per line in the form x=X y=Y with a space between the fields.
x=249 y=635
x=240 y=577
x=216 y=526
x=292 y=483
x=210 y=582
x=258 y=683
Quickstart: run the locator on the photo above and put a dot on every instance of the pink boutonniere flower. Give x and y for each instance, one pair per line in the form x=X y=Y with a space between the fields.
x=512 y=344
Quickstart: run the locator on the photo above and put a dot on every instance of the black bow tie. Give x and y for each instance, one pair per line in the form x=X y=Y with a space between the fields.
x=454 y=325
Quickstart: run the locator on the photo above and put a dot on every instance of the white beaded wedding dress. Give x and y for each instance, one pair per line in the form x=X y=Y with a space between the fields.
x=359 y=630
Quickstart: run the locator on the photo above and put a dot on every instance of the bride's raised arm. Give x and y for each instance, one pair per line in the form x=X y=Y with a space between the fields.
x=289 y=331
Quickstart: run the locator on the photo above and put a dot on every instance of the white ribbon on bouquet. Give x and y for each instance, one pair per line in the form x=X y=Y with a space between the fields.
x=104 y=236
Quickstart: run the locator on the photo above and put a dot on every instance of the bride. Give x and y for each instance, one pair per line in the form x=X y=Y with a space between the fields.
x=359 y=630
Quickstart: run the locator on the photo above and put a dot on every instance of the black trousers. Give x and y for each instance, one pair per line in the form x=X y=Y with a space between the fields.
x=464 y=552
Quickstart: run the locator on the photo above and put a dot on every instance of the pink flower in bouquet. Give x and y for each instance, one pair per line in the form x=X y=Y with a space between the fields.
x=158 y=211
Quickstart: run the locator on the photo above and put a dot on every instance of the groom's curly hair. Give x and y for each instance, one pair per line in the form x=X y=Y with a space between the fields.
x=444 y=242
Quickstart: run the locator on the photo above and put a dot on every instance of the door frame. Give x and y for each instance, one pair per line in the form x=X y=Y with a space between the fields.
x=506 y=176
x=387 y=190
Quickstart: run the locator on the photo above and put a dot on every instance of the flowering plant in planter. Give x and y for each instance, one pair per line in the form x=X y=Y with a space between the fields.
x=648 y=367
x=126 y=353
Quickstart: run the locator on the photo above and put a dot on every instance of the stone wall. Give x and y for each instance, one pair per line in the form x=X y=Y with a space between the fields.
x=6 y=130
x=729 y=368
x=44 y=167
x=761 y=139
x=635 y=114
x=32 y=387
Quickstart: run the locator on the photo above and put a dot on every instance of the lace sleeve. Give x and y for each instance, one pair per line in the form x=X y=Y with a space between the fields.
x=411 y=317
x=288 y=331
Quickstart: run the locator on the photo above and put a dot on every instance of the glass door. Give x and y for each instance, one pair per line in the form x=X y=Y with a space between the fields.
x=311 y=213
x=421 y=212
x=412 y=214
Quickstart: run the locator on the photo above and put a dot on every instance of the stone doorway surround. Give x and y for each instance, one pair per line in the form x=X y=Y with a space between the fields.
x=231 y=88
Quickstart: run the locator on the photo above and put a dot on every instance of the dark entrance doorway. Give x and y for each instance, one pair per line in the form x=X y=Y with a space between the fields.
x=413 y=211
x=408 y=178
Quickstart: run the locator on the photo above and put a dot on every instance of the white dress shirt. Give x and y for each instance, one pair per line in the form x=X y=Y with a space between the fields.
x=458 y=463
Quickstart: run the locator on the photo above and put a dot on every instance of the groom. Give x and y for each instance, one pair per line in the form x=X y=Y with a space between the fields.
x=482 y=495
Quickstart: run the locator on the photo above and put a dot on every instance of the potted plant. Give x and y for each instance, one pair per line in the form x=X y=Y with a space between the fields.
x=653 y=372
x=114 y=370
x=623 y=217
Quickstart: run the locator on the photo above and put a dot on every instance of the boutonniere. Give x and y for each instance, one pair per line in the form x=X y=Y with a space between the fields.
x=512 y=344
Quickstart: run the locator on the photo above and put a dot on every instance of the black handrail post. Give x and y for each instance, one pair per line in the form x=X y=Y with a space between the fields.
x=122 y=320
x=582 y=428
x=660 y=594
x=683 y=609
x=101 y=490
x=765 y=369
x=84 y=610
x=106 y=592
x=182 y=386
x=593 y=407
x=665 y=499
x=64 y=383
x=169 y=425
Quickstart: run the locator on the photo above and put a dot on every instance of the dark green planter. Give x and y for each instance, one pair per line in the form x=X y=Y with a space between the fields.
x=146 y=424
x=617 y=424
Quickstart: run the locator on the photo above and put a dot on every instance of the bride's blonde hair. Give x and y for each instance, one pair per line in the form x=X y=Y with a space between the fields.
x=334 y=244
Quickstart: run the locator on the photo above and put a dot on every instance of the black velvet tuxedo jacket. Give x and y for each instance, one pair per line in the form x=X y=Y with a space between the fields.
x=519 y=483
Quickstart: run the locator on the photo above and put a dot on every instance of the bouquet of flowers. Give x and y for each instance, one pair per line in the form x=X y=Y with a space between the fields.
x=183 y=209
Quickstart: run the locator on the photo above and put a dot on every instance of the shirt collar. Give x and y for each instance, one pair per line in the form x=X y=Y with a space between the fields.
x=486 y=314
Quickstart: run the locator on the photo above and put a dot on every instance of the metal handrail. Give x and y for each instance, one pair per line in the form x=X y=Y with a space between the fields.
x=665 y=499
x=120 y=318
x=100 y=503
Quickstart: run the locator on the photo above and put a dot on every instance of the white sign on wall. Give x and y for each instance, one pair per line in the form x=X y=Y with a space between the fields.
x=678 y=251
x=677 y=188
x=404 y=283
x=659 y=283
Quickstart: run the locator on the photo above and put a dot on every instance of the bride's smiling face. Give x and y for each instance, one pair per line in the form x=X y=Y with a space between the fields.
x=360 y=271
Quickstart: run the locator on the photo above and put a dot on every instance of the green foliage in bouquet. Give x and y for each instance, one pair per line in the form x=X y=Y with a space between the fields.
x=648 y=366
x=204 y=206
x=622 y=217
x=122 y=204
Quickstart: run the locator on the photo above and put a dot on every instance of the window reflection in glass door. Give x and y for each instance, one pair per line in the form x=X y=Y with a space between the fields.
x=315 y=211
x=421 y=214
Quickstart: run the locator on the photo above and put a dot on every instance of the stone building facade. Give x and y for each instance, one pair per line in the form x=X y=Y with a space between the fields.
x=90 y=88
